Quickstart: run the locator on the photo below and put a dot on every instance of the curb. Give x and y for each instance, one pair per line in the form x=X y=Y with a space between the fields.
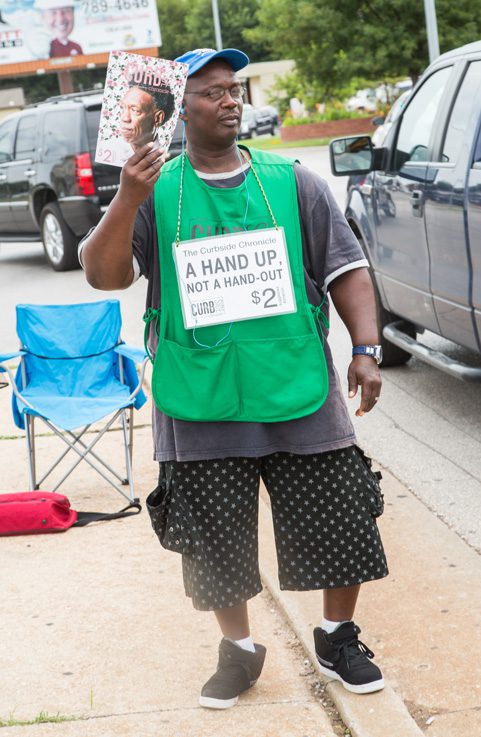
x=369 y=715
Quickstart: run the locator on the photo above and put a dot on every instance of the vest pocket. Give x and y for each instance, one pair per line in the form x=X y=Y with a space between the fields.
x=192 y=384
x=282 y=378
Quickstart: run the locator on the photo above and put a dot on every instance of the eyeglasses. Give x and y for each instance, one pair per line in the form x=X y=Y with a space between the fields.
x=237 y=92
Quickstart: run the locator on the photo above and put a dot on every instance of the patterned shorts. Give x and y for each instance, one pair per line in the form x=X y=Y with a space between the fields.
x=324 y=510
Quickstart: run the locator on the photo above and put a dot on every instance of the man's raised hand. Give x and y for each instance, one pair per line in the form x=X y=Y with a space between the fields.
x=139 y=175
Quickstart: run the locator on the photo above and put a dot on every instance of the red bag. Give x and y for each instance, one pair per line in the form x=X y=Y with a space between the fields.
x=33 y=512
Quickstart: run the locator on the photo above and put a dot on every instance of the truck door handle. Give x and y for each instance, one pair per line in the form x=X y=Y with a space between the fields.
x=29 y=172
x=417 y=202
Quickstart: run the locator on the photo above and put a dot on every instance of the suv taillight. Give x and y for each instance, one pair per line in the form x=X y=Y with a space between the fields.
x=84 y=175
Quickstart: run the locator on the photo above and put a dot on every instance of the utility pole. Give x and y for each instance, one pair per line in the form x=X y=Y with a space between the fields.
x=218 y=36
x=432 y=29
x=65 y=81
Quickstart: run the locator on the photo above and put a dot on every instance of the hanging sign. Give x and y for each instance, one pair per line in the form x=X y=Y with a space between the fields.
x=239 y=276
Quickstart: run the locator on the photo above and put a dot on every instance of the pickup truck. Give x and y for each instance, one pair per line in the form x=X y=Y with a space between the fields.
x=416 y=209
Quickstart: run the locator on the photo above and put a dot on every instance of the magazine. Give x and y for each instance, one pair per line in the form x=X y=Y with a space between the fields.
x=141 y=103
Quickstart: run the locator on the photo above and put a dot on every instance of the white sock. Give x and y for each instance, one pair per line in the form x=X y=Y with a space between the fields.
x=329 y=626
x=247 y=643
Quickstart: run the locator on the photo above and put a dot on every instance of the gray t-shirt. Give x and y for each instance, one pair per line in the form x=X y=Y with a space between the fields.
x=329 y=249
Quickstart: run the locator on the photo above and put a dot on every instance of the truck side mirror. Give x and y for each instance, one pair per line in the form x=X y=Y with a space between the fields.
x=351 y=156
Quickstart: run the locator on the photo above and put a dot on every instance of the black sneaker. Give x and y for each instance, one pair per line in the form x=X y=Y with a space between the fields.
x=237 y=670
x=342 y=656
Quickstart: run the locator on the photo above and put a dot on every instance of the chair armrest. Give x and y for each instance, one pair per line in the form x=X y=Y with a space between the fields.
x=137 y=355
x=8 y=356
x=11 y=374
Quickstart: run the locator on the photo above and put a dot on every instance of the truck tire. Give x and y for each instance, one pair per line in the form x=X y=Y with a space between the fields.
x=392 y=355
x=59 y=242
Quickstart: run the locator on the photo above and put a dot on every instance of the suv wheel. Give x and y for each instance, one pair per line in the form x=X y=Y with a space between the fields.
x=59 y=242
x=253 y=133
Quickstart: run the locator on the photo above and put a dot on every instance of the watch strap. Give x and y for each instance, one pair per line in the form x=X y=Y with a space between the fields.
x=374 y=351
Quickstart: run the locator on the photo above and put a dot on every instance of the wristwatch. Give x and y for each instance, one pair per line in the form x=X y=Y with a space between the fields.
x=375 y=351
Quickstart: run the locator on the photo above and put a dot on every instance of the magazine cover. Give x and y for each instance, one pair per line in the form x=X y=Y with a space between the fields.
x=141 y=103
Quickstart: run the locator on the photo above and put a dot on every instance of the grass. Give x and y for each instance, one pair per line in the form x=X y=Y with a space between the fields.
x=269 y=143
x=273 y=142
x=42 y=718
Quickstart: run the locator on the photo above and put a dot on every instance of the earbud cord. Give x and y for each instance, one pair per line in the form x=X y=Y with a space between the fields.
x=242 y=162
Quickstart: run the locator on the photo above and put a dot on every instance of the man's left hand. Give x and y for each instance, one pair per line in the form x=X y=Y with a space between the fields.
x=363 y=371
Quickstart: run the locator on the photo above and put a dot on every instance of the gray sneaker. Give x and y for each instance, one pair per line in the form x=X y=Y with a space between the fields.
x=237 y=670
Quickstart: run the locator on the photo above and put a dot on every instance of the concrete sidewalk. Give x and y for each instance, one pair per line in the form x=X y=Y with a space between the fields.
x=96 y=628
x=423 y=623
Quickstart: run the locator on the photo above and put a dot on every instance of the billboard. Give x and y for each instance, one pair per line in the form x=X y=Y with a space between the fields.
x=61 y=32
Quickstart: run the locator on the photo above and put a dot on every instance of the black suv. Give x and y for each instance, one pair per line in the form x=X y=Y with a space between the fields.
x=50 y=186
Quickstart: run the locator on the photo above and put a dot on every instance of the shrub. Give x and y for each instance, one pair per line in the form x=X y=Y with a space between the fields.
x=332 y=112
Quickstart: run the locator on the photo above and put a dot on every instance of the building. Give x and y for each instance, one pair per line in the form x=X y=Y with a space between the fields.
x=261 y=76
x=11 y=100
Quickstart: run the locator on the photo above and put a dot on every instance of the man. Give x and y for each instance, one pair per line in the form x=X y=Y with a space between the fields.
x=252 y=373
x=143 y=111
x=58 y=16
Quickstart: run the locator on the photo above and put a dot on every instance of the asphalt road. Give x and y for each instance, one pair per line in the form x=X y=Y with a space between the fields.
x=426 y=428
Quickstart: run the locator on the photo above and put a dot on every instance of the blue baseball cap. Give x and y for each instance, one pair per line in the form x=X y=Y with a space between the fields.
x=198 y=58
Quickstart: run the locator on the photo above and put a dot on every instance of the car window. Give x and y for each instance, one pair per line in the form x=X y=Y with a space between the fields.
x=27 y=134
x=59 y=134
x=477 y=150
x=7 y=133
x=460 y=114
x=397 y=107
x=418 y=120
x=93 y=120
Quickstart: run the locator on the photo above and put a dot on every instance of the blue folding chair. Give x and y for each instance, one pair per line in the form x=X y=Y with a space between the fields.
x=74 y=370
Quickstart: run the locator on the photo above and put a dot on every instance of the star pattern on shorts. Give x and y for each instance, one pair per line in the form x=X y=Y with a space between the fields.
x=326 y=535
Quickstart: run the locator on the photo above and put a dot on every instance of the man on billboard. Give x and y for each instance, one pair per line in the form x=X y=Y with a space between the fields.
x=143 y=111
x=58 y=16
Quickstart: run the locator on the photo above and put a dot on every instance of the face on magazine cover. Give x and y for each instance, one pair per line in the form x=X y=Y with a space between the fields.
x=141 y=116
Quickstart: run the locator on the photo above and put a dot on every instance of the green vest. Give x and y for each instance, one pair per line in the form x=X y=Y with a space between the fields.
x=268 y=369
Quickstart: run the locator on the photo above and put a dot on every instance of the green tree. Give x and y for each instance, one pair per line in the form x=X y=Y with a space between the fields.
x=405 y=51
x=313 y=34
x=173 y=16
x=333 y=41
x=188 y=24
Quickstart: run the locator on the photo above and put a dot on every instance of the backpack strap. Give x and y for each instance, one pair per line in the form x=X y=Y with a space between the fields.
x=85 y=518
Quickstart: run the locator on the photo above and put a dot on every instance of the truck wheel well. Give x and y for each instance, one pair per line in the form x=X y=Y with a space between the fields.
x=41 y=198
x=355 y=229
x=392 y=354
